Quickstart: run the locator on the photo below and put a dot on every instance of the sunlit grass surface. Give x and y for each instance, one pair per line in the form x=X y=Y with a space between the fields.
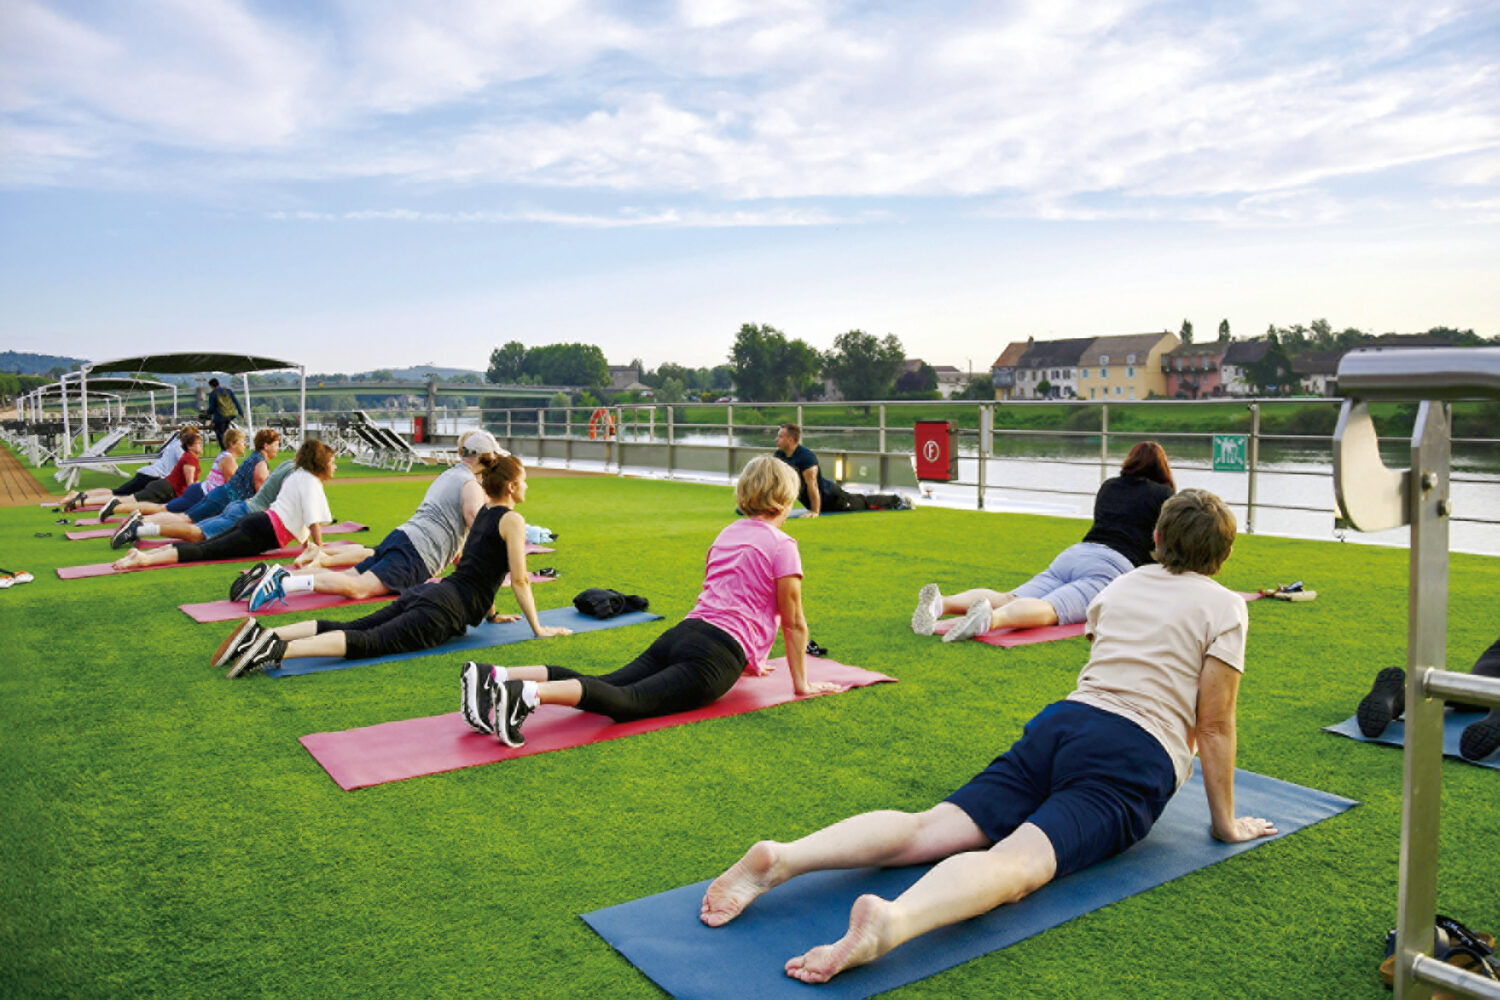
x=164 y=834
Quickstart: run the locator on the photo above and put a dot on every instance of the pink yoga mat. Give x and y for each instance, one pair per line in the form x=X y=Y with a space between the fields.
x=224 y=611
x=58 y=503
x=393 y=751
x=338 y=528
x=1005 y=638
x=107 y=569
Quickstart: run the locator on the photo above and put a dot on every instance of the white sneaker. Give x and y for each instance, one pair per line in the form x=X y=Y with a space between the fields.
x=974 y=623
x=929 y=610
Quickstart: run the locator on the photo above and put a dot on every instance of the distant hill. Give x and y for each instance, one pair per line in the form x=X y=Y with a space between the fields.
x=25 y=363
x=420 y=372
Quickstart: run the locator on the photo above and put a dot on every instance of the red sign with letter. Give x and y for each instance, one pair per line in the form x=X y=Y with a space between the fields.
x=937 y=451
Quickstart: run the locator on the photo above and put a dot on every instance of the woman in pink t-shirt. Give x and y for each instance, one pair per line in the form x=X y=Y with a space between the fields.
x=752 y=584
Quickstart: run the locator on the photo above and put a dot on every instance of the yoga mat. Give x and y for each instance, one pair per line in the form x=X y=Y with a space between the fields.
x=83 y=507
x=1005 y=638
x=393 y=751
x=1454 y=724
x=479 y=637
x=339 y=528
x=225 y=611
x=662 y=936
x=802 y=512
x=107 y=569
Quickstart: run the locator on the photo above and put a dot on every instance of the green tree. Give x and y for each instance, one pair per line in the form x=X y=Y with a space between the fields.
x=863 y=365
x=567 y=364
x=919 y=381
x=1272 y=374
x=767 y=366
x=507 y=364
x=979 y=387
x=671 y=390
x=1223 y=331
x=1186 y=335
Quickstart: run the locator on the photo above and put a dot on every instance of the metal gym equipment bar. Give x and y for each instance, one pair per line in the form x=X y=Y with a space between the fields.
x=1372 y=497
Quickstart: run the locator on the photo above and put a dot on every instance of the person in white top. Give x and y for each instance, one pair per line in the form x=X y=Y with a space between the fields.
x=298 y=513
x=1087 y=779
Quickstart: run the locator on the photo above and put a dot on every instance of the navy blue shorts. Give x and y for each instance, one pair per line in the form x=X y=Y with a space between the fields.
x=395 y=563
x=1093 y=781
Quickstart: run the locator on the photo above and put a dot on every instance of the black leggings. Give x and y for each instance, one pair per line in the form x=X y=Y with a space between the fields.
x=1488 y=665
x=406 y=626
x=839 y=499
x=134 y=485
x=250 y=536
x=689 y=665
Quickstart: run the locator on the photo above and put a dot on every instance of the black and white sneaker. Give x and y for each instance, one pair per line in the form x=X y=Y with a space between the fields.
x=246 y=581
x=1386 y=701
x=507 y=711
x=235 y=644
x=126 y=533
x=108 y=509
x=474 y=682
x=266 y=651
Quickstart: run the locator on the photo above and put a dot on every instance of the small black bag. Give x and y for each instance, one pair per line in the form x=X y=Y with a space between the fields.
x=598 y=602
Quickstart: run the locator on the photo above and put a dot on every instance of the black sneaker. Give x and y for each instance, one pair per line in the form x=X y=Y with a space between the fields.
x=127 y=533
x=474 y=683
x=73 y=502
x=235 y=644
x=266 y=651
x=108 y=509
x=1386 y=701
x=247 y=580
x=507 y=711
x=1482 y=738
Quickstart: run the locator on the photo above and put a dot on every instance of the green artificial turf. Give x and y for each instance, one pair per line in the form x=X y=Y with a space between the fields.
x=164 y=834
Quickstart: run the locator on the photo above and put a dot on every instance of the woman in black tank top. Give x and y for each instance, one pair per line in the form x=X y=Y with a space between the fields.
x=424 y=616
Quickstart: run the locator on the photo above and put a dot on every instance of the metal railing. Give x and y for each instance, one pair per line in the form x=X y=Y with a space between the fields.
x=1374 y=498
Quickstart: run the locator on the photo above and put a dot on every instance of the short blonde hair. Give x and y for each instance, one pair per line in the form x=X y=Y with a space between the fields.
x=767 y=485
x=1194 y=533
x=232 y=437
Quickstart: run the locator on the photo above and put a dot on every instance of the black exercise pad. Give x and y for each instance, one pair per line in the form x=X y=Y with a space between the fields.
x=662 y=936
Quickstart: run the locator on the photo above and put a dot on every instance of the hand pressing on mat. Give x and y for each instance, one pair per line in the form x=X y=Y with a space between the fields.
x=1246 y=828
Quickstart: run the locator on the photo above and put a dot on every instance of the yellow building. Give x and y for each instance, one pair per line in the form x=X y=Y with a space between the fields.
x=1124 y=366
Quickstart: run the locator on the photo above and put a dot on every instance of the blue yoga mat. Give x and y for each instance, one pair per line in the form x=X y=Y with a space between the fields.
x=478 y=637
x=662 y=936
x=1454 y=724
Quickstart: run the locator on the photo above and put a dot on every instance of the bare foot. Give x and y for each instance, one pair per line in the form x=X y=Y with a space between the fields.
x=868 y=921
x=129 y=560
x=738 y=887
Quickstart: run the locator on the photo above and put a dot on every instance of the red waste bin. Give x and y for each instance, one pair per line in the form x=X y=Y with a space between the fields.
x=418 y=430
x=937 y=450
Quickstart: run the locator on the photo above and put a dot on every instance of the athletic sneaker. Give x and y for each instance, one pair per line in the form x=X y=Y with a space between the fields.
x=507 y=711
x=1482 y=738
x=73 y=502
x=1386 y=700
x=974 y=623
x=905 y=503
x=266 y=651
x=108 y=509
x=474 y=683
x=270 y=589
x=929 y=610
x=235 y=644
x=243 y=583
x=127 y=533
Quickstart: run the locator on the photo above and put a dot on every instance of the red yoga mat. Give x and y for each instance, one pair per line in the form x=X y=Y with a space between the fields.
x=108 y=569
x=84 y=507
x=1005 y=638
x=225 y=611
x=393 y=751
x=338 y=528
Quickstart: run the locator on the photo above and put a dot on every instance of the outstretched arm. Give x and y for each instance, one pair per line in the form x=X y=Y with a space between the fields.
x=814 y=495
x=794 y=635
x=513 y=530
x=1218 y=693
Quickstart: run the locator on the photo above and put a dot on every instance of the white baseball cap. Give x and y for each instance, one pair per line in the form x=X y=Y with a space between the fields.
x=478 y=442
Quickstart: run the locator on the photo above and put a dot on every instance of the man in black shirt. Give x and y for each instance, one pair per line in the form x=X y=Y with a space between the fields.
x=818 y=492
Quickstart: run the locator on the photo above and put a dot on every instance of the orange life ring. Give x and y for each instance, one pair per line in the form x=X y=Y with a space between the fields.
x=601 y=424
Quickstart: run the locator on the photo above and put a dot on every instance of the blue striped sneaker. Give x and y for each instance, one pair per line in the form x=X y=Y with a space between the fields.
x=270 y=589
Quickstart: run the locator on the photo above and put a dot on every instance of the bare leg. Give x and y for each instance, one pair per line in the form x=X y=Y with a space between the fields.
x=141 y=558
x=167 y=517
x=183 y=532
x=568 y=692
x=1023 y=612
x=884 y=838
x=302 y=639
x=962 y=886
x=335 y=555
x=346 y=584
x=958 y=603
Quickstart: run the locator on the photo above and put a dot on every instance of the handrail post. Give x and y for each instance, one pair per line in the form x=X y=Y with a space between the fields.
x=1426 y=641
x=1103 y=442
x=986 y=437
x=1254 y=459
x=729 y=439
x=671 y=439
x=881 y=449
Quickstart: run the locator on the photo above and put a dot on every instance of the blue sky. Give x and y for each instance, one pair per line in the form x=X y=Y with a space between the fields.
x=366 y=183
